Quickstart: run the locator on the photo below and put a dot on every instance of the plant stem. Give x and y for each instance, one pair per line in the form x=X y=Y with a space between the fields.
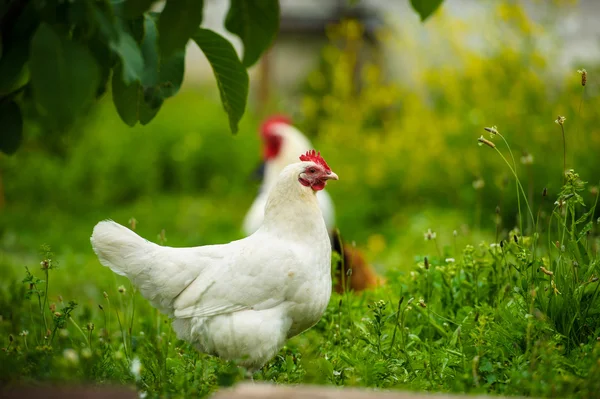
x=45 y=300
x=517 y=183
x=519 y=186
x=81 y=331
x=562 y=128
x=396 y=325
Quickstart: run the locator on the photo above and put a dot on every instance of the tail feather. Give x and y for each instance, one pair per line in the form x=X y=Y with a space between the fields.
x=153 y=269
x=116 y=246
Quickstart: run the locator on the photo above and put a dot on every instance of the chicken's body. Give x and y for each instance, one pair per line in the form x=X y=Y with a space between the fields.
x=242 y=300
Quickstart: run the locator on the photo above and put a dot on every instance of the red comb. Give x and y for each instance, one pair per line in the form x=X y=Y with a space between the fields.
x=268 y=122
x=315 y=157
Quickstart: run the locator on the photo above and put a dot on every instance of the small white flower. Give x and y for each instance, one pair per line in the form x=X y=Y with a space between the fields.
x=86 y=353
x=71 y=356
x=455 y=233
x=143 y=394
x=478 y=184
x=527 y=159
x=24 y=333
x=429 y=235
x=136 y=368
x=560 y=120
x=450 y=260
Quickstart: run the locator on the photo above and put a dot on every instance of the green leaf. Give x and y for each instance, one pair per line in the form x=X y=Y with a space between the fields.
x=130 y=101
x=135 y=8
x=105 y=59
x=178 y=21
x=256 y=23
x=131 y=57
x=11 y=127
x=13 y=67
x=141 y=100
x=425 y=7
x=171 y=74
x=64 y=75
x=232 y=77
x=122 y=38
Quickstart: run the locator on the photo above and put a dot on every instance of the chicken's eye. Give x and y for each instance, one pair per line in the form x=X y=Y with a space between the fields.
x=312 y=170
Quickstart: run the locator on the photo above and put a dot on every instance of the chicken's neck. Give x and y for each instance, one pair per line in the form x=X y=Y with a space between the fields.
x=292 y=209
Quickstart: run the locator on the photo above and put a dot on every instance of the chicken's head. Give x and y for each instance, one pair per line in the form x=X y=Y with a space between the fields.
x=315 y=172
x=272 y=135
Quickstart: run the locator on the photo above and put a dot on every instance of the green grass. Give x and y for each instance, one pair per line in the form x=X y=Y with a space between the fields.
x=480 y=318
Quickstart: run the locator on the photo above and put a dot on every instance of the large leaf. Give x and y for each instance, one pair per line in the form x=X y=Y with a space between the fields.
x=141 y=101
x=11 y=127
x=178 y=21
x=13 y=68
x=256 y=23
x=122 y=38
x=150 y=53
x=232 y=77
x=64 y=75
x=171 y=74
x=425 y=7
x=130 y=101
x=134 y=8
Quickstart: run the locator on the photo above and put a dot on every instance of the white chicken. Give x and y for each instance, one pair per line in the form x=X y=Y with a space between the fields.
x=242 y=300
x=282 y=143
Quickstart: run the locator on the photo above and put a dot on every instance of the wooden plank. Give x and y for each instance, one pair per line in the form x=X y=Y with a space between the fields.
x=270 y=391
x=65 y=392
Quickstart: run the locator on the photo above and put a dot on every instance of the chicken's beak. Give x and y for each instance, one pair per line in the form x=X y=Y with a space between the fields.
x=331 y=176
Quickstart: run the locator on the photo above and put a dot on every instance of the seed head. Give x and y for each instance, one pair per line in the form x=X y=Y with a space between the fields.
x=545 y=192
x=422 y=303
x=450 y=260
x=90 y=326
x=426 y=261
x=11 y=338
x=455 y=233
x=583 y=74
x=497 y=209
x=594 y=190
x=546 y=271
x=560 y=120
x=485 y=141
x=493 y=130
x=105 y=294
x=122 y=289
x=516 y=239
